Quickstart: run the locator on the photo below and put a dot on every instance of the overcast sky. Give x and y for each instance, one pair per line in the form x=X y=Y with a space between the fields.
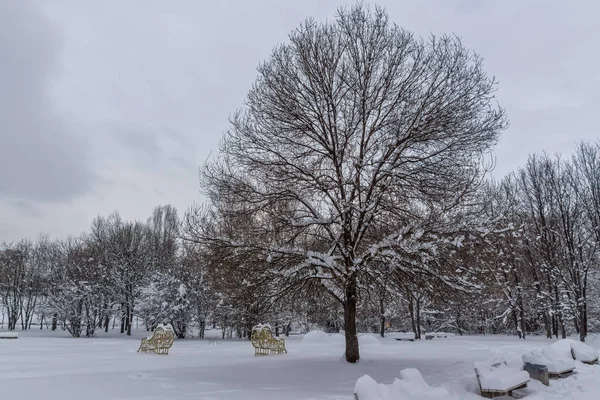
x=113 y=105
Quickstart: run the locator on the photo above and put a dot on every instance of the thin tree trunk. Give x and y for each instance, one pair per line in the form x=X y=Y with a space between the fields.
x=547 y=325
x=411 y=312
x=516 y=321
x=418 y=318
x=581 y=327
x=202 y=326
x=54 y=321
x=382 y=316
x=522 y=319
x=129 y=319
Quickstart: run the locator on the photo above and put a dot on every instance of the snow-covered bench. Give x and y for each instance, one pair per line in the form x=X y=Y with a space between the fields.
x=577 y=350
x=584 y=353
x=410 y=386
x=556 y=366
x=9 y=335
x=437 y=335
x=496 y=378
x=160 y=342
x=410 y=336
x=264 y=343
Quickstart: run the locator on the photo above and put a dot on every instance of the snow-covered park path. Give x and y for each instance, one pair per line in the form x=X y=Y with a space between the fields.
x=50 y=365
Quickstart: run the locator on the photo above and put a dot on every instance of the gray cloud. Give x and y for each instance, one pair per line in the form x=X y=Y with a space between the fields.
x=121 y=108
x=40 y=159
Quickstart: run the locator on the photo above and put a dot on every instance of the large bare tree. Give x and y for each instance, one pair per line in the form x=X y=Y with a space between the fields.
x=354 y=127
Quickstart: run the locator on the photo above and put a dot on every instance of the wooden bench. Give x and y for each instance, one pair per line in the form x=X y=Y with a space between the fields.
x=160 y=342
x=264 y=343
x=497 y=379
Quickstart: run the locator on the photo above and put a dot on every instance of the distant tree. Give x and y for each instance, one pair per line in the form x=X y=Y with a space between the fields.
x=14 y=260
x=128 y=249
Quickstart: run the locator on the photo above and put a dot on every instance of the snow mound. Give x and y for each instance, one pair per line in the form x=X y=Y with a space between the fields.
x=338 y=339
x=568 y=348
x=410 y=386
x=583 y=352
x=317 y=338
x=367 y=339
x=562 y=348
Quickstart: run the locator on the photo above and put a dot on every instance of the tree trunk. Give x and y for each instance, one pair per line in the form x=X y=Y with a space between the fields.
x=585 y=319
x=202 y=327
x=582 y=327
x=418 y=318
x=54 y=321
x=352 y=352
x=516 y=321
x=382 y=316
x=411 y=312
x=522 y=318
x=123 y=317
x=547 y=326
x=129 y=319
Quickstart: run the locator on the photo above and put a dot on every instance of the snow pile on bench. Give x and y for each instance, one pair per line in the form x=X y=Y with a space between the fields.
x=551 y=359
x=410 y=386
x=576 y=350
x=9 y=335
x=497 y=376
x=439 y=335
x=583 y=352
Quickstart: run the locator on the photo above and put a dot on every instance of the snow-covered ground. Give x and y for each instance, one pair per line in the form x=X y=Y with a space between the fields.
x=50 y=365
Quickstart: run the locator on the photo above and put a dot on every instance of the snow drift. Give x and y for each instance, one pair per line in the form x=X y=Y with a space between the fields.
x=317 y=338
x=410 y=386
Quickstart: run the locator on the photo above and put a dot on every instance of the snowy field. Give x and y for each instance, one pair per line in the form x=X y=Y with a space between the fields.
x=51 y=365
